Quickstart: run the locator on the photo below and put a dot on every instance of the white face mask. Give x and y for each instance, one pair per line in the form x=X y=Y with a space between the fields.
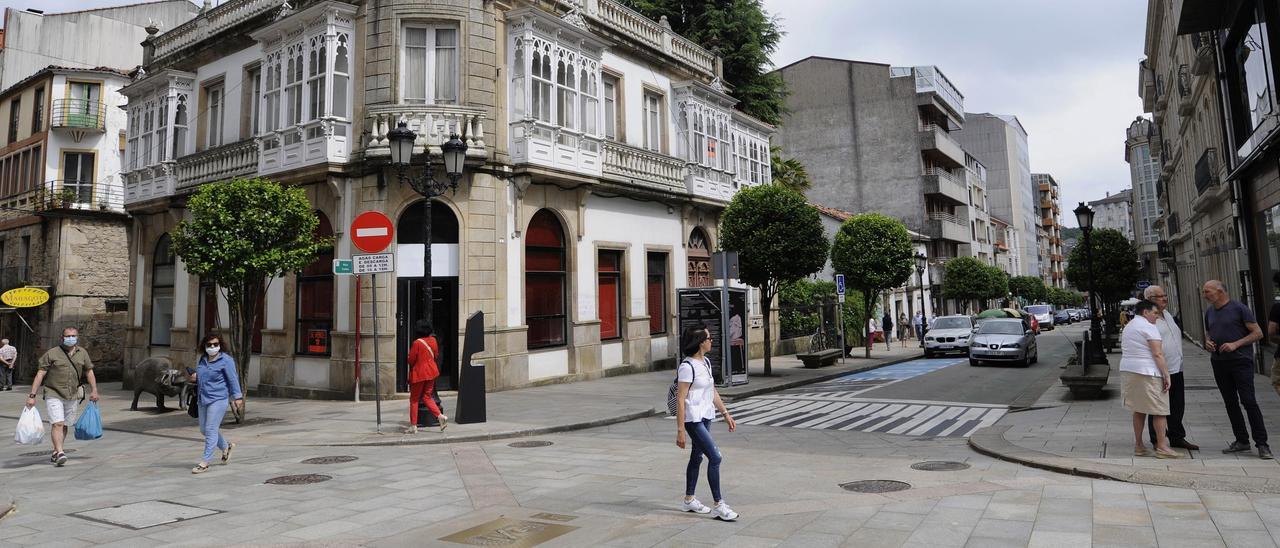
x=211 y=350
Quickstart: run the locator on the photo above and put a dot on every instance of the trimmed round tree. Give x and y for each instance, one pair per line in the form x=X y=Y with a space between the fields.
x=1031 y=288
x=778 y=237
x=966 y=279
x=997 y=283
x=1115 y=265
x=243 y=234
x=874 y=253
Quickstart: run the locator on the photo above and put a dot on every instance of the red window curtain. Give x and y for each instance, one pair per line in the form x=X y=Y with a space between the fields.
x=545 y=281
x=656 y=293
x=609 y=297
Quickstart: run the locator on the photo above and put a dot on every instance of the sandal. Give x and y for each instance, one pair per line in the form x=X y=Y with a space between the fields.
x=200 y=468
x=1169 y=455
x=1143 y=452
x=226 y=453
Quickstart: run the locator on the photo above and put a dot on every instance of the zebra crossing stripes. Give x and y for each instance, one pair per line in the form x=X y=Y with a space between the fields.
x=907 y=418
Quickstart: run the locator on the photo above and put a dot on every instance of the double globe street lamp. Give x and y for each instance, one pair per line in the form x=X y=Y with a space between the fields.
x=1093 y=352
x=455 y=154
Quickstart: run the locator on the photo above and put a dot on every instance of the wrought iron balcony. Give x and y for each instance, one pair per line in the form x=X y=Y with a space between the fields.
x=1207 y=170
x=79 y=114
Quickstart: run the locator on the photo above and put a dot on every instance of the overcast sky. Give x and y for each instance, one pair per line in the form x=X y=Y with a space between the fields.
x=1067 y=70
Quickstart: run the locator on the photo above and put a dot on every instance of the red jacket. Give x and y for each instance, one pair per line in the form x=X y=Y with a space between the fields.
x=422 y=360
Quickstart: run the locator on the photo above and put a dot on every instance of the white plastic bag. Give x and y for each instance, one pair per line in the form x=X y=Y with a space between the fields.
x=30 y=428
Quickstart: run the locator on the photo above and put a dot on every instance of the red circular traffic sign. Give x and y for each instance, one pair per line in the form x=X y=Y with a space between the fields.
x=372 y=231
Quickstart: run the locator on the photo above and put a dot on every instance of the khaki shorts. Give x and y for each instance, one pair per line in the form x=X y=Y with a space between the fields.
x=1144 y=394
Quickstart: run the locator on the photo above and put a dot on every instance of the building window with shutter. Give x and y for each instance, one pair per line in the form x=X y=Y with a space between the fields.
x=545 y=281
x=609 y=298
x=656 y=292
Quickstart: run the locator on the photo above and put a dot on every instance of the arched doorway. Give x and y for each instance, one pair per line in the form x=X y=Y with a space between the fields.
x=444 y=292
x=699 y=254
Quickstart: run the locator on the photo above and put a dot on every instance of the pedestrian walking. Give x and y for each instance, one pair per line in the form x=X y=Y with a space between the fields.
x=696 y=403
x=8 y=360
x=1171 y=344
x=903 y=328
x=1145 y=381
x=918 y=323
x=1231 y=330
x=62 y=372
x=886 y=323
x=423 y=371
x=872 y=329
x=217 y=386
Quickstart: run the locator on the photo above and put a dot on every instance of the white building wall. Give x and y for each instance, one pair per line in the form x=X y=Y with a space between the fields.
x=232 y=68
x=104 y=145
x=636 y=76
x=634 y=224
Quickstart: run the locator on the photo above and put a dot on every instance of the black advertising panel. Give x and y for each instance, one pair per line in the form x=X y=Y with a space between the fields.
x=723 y=313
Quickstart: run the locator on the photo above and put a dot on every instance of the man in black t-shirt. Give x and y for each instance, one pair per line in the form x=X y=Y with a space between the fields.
x=1231 y=331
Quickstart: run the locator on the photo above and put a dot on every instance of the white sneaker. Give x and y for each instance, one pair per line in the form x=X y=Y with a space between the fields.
x=724 y=513
x=695 y=506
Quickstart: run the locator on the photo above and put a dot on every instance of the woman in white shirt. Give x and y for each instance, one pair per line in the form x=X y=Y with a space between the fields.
x=1145 y=388
x=696 y=405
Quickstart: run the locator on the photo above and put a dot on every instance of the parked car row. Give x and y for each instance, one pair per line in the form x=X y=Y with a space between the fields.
x=995 y=339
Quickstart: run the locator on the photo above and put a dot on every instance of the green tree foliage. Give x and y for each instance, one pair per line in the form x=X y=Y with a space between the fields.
x=997 y=283
x=778 y=238
x=242 y=234
x=742 y=34
x=1064 y=297
x=1115 y=263
x=798 y=314
x=1031 y=288
x=874 y=253
x=789 y=172
x=966 y=279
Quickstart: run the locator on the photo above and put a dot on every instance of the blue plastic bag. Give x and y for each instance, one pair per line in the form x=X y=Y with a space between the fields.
x=89 y=426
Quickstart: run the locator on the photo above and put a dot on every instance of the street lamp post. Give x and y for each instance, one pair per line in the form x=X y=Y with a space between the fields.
x=1093 y=351
x=921 y=262
x=454 y=151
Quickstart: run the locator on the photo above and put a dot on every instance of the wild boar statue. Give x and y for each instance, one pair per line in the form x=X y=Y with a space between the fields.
x=156 y=376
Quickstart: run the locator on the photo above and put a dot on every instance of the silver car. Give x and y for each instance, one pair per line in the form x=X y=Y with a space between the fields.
x=1003 y=340
x=948 y=334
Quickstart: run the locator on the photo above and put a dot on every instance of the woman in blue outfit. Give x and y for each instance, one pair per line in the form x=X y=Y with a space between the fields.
x=696 y=405
x=218 y=385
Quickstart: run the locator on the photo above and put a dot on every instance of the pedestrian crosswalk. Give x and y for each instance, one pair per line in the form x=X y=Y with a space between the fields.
x=907 y=418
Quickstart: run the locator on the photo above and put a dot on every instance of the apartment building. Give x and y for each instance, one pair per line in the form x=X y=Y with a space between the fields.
x=981 y=236
x=1144 y=173
x=601 y=149
x=1115 y=211
x=1005 y=246
x=1052 y=258
x=1211 y=210
x=1000 y=143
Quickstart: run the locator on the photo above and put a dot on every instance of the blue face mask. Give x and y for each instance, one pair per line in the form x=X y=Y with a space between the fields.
x=69 y=341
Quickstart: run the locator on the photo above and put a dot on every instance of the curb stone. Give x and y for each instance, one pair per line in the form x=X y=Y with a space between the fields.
x=814 y=380
x=990 y=441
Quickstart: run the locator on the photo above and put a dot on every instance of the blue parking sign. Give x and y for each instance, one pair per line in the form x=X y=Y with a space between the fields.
x=839 y=284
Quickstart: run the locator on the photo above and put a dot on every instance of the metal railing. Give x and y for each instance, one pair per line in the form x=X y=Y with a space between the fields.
x=65 y=194
x=1174 y=224
x=947 y=217
x=79 y=114
x=1206 y=170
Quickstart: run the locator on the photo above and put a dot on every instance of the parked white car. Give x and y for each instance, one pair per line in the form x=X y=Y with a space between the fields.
x=948 y=334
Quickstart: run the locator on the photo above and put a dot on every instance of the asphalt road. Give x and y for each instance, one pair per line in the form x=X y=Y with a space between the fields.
x=992 y=384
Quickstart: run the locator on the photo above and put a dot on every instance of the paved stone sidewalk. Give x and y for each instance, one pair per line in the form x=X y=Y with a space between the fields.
x=1099 y=432
x=523 y=412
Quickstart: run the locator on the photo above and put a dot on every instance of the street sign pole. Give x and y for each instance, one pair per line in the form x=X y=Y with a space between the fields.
x=377 y=384
x=840 y=313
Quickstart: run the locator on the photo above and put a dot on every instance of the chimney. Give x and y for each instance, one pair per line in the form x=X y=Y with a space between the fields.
x=148 y=44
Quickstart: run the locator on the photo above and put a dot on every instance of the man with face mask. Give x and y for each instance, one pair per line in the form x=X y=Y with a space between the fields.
x=61 y=371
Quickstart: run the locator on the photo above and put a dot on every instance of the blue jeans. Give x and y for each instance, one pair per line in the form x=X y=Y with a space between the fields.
x=210 y=420
x=700 y=435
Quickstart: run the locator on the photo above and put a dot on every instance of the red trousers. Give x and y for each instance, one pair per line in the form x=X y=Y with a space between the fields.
x=421 y=392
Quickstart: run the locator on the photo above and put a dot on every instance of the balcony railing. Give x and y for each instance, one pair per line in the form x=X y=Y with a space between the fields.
x=643 y=168
x=432 y=123
x=237 y=159
x=80 y=114
x=938 y=143
x=67 y=195
x=1206 y=170
x=617 y=17
x=948 y=184
x=212 y=23
x=1174 y=224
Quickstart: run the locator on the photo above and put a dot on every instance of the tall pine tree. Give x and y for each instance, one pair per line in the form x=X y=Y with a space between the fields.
x=742 y=34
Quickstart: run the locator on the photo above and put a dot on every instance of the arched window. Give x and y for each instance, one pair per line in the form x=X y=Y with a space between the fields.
x=699 y=258
x=545 y=281
x=315 y=299
x=162 y=276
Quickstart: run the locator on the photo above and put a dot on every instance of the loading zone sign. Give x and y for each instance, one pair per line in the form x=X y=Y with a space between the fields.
x=374 y=264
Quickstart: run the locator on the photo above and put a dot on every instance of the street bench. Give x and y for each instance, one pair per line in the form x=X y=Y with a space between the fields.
x=821 y=358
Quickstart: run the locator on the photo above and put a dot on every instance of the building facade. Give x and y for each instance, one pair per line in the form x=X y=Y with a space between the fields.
x=601 y=148
x=1206 y=220
x=1115 y=211
x=878 y=138
x=1005 y=246
x=980 y=231
x=1000 y=143
x=1052 y=258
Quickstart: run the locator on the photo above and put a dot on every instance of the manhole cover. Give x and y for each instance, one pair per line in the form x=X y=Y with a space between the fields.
x=299 y=479
x=939 y=466
x=875 y=486
x=339 y=459
x=44 y=453
x=530 y=443
x=141 y=515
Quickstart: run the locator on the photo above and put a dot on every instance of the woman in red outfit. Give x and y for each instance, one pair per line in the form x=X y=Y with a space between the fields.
x=423 y=370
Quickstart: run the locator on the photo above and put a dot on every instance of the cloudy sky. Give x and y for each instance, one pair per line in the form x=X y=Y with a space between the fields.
x=1068 y=70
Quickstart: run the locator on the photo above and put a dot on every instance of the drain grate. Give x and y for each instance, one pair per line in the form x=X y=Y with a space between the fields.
x=337 y=459
x=939 y=466
x=299 y=479
x=875 y=486
x=45 y=453
x=530 y=443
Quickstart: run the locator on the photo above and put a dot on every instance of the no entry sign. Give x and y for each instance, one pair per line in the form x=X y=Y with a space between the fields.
x=372 y=231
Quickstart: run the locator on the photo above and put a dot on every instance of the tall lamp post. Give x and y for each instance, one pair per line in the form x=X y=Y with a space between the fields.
x=921 y=262
x=454 y=152
x=1093 y=351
